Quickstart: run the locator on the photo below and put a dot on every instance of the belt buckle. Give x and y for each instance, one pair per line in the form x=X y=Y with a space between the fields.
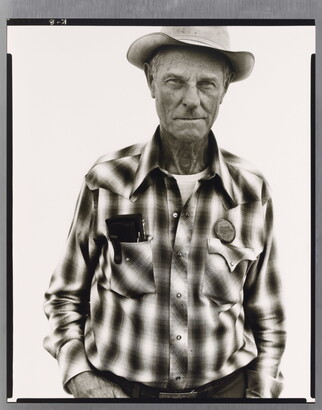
x=189 y=395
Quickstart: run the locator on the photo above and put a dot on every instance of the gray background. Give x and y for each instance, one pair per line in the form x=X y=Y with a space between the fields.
x=152 y=9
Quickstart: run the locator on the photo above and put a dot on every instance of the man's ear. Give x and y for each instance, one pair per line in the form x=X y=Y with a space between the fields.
x=226 y=85
x=222 y=96
x=149 y=78
x=223 y=93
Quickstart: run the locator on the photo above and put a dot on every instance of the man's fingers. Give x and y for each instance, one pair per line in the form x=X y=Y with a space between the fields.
x=88 y=384
x=119 y=393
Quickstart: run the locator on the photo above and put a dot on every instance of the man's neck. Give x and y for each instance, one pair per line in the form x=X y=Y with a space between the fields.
x=184 y=157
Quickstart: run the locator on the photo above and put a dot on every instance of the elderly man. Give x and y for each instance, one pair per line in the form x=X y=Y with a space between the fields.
x=169 y=286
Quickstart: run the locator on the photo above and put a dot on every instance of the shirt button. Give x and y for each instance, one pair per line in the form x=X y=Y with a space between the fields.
x=178 y=337
x=187 y=214
x=178 y=295
x=232 y=264
x=175 y=215
x=179 y=254
x=127 y=259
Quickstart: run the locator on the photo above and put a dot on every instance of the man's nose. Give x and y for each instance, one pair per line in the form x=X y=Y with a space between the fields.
x=191 y=97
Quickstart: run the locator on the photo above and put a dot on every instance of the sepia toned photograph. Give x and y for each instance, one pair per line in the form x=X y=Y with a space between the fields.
x=162 y=197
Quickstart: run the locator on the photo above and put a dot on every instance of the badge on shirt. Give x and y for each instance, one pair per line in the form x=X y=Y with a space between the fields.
x=225 y=230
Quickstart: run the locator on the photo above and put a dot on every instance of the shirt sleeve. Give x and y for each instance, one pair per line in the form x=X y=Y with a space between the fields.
x=67 y=298
x=264 y=310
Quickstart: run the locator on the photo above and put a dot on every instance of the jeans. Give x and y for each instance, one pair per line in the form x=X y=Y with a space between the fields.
x=236 y=389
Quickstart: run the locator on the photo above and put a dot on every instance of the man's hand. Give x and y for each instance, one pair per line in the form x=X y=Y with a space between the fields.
x=88 y=384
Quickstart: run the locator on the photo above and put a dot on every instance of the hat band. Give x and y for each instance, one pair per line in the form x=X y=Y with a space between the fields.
x=199 y=40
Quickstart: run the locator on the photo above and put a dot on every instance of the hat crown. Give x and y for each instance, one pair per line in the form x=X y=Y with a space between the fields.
x=207 y=35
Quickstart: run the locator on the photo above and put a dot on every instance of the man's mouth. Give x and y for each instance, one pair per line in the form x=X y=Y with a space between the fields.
x=190 y=118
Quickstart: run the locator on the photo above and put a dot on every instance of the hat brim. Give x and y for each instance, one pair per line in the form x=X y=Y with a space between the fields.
x=142 y=49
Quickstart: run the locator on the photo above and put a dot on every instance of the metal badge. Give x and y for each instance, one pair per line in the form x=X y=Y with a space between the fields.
x=225 y=230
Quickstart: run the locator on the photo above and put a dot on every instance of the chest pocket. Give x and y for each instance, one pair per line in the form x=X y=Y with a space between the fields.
x=225 y=272
x=132 y=277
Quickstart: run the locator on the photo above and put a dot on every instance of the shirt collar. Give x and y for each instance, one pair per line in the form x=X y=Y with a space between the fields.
x=218 y=168
x=151 y=160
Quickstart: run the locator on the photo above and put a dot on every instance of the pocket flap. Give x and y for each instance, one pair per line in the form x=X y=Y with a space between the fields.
x=232 y=254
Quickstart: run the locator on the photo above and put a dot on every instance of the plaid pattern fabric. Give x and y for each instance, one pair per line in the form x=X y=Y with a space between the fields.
x=184 y=307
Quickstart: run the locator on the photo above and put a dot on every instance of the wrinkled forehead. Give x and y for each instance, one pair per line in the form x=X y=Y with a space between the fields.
x=189 y=60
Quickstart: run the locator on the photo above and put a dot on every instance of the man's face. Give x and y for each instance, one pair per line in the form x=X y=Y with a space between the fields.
x=188 y=88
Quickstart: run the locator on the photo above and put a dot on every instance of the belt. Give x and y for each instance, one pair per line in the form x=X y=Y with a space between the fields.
x=139 y=390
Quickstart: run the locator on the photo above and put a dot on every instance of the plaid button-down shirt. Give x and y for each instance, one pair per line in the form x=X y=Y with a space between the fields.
x=183 y=307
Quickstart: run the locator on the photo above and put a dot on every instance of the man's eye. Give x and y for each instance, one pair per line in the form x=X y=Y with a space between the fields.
x=175 y=81
x=206 y=84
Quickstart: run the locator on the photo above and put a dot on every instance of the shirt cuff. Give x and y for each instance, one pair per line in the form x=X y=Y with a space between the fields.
x=72 y=360
x=260 y=385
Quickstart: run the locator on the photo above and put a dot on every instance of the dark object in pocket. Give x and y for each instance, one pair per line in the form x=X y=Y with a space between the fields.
x=124 y=228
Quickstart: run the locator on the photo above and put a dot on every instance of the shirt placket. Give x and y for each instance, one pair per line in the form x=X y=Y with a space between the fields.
x=181 y=233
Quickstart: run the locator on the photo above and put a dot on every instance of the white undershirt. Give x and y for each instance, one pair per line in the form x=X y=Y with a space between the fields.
x=186 y=183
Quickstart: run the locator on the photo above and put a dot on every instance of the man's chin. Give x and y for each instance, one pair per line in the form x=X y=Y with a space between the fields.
x=188 y=136
x=185 y=133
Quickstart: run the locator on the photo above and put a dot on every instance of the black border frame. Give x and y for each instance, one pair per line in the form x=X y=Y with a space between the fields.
x=313 y=8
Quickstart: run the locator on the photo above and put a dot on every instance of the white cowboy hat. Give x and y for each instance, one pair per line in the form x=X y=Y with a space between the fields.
x=215 y=37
